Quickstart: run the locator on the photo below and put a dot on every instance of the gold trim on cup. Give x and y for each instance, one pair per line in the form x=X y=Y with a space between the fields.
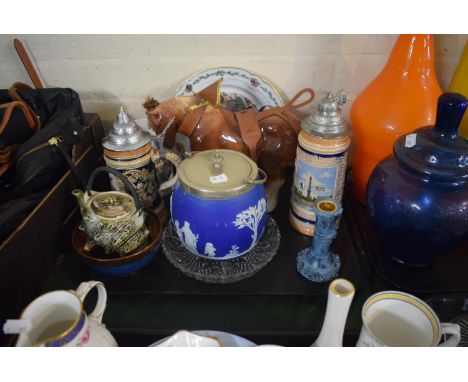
x=64 y=333
x=428 y=312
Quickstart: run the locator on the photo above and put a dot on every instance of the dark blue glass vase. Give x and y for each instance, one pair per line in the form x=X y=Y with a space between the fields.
x=418 y=197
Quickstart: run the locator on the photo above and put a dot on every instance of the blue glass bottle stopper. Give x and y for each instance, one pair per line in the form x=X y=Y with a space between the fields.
x=317 y=263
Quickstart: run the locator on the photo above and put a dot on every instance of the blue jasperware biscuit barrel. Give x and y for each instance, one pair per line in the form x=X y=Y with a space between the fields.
x=219 y=207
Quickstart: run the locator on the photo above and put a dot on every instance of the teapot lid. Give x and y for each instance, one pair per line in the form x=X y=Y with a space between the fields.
x=218 y=174
x=125 y=135
x=327 y=121
x=113 y=205
x=437 y=151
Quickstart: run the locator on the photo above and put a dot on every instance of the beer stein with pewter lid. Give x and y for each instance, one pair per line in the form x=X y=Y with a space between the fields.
x=129 y=150
x=320 y=162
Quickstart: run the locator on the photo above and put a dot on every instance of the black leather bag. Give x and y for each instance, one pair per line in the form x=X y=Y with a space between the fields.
x=42 y=159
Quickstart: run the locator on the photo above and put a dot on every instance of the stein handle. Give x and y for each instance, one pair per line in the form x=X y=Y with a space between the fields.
x=262 y=180
x=454 y=331
x=127 y=185
x=171 y=182
x=100 y=307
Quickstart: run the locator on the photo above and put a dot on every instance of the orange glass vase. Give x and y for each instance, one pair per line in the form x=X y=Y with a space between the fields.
x=400 y=99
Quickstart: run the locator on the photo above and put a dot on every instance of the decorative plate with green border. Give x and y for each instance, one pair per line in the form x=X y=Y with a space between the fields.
x=240 y=88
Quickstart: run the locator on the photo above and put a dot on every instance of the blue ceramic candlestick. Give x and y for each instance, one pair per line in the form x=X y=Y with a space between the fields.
x=317 y=263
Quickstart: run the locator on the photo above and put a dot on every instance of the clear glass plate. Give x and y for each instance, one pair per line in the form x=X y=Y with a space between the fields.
x=222 y=271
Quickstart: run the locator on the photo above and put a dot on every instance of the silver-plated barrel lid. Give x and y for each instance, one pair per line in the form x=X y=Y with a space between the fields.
x=219 y=174
x=327 y=121
x=125 y=135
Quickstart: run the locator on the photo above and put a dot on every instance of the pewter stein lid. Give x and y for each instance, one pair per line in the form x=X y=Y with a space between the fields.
x=327 y=121
x=219 y=174
x=125 y=135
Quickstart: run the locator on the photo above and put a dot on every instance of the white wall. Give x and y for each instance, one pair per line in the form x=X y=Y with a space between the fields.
x=109 y=70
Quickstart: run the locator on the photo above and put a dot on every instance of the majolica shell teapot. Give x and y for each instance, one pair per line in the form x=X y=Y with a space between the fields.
x=113 y=220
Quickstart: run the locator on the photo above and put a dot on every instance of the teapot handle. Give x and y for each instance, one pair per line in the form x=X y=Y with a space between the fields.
x=84 y=288
x=128 y=186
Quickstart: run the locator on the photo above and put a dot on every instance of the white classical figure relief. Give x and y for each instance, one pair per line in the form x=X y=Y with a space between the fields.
x=210 y=250
x=251 y=218
x=187 y=236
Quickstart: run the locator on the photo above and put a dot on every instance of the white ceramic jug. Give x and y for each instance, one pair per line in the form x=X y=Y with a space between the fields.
x=340 y=296
x=58 y=319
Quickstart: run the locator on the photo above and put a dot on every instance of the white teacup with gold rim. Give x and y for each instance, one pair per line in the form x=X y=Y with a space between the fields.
x=393 y=318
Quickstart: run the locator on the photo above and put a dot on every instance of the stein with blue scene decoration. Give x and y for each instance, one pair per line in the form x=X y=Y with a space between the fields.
x=321 y=158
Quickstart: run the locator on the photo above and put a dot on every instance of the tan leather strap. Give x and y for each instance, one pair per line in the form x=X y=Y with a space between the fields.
x=13 y=90
x=5 y=166
x=289 y=106
x=250 y=130
x=28 y=65
x=190 y=121
x=24 y=108
x=287 y=118
x=247 y=119
x=30 y=115
x=281 y=112
x=6 y=153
